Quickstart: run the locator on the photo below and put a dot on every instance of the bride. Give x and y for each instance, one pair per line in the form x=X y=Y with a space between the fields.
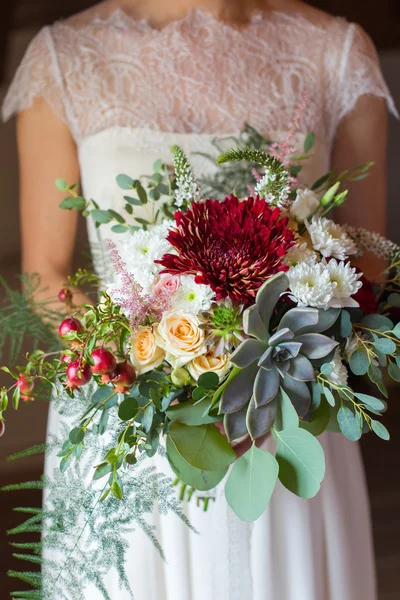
x=109 y=91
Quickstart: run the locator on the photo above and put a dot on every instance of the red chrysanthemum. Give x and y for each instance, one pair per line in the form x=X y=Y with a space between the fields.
x=233 y=246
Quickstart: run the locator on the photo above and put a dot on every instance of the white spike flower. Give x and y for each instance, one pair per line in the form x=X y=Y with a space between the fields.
x=330 y=239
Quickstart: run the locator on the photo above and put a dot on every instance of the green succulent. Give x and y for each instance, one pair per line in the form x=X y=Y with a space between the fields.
x=224 y=326
x=268 y=362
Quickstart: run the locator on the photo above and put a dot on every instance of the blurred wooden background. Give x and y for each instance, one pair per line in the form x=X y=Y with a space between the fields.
x=19 y=21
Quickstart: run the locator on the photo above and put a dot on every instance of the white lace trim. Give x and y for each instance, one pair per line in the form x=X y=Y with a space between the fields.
x=99 y=71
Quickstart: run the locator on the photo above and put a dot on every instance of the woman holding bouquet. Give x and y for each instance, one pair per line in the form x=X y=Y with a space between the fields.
x=109 y=91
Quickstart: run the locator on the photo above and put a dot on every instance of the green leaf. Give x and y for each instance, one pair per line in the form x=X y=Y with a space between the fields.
x=198 y=393
x=62 y=185
x=16 y=397
x=348 y=424
x=319 y=420
x=315 y=395
x=203 y=447
x=394 y=300
x=326 y=369
x=208 y=381
x=321 y=181
x=117 y=491
x=76 y=435
x=157 y=166
x=309 y=142
x=385 y=346
x=286 y=415
x=119 y=228
x=130 y=459
x=380 y=430
x=371 y=401
x=128 y=409
x=329 y=396
x=101 y=216
x=250 y=483
x=396 y=331
x=377 y=322
x=345 y=324
x=301 y=461
x=394 y=371
x=64 y=463
x=191 y=413
x=147 y=419
x=116 y=216
x=141 y=192
x=102 y=470
x=134 y=201
x=125 y=182
x=73 y=203
x=196 y=478
x=7 y=370
x=374 y=373
x=102 y=394
x=359 y=363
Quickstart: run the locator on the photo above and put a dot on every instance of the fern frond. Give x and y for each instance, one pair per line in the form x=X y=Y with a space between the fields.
x=29 y=557
x=28 y=595
x=249 y=154
x=23 y=317
x=35 y=546
x=39 y=449
x=28 y=526
x=25 y=485
x=32 y=578
x=27 y=510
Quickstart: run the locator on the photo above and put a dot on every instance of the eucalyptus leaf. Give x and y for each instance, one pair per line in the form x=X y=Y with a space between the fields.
x=394 y=300
x=196 y=478
x=380 y=430
x=346 y=326
x=76 y=435
x=203 y=447
x=191 y=413
x=125 y=182
x=319 y=420
x=371 y=401
x=128 y=409
x=208 y=381
x=394 y=371
x=396 y=331
x=385 y=346
x=250 y=483
x=286 y=415
x=348 y=423
x=359 y=363
x=301 y=461
x=309 y=142
x=377 y=322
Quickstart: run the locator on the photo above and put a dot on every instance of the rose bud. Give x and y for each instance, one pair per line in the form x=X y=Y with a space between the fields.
x=180 y=377
x=104 y=362
x=69 y=325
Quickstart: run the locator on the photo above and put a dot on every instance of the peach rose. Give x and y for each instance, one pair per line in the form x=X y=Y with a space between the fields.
x=166 y=284
x=208 y=362
x=146 y=355
x=181 y=337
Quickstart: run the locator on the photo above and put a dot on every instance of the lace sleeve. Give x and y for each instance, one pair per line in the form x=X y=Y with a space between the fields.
x=38 y=76
x=360 y=73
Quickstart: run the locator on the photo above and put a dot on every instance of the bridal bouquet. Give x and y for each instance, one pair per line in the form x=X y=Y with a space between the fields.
x=226 y=320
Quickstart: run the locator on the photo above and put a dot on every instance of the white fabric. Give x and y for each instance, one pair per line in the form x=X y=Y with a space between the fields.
x=128 y=92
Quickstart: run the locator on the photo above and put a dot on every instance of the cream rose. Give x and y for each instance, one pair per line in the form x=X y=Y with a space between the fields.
x=146 y=355
x=208 y=362
x=180 y=336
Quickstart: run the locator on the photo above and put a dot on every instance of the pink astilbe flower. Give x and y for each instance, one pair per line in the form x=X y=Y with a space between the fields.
x=129 y=294
x=284 y=149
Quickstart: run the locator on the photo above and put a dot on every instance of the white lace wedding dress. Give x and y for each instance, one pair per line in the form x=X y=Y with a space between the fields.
x=128 y=92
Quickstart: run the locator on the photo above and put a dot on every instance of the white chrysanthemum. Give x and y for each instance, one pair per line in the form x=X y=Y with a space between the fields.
x=330 y=239
x=191 y=296
x=304 y=205
x=140 y=250
x=298 y=254
x=347 y=283
x=339 y=375
x=310 y=285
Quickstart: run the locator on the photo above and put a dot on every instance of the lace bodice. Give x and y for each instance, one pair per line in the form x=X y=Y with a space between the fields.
x=197 y=75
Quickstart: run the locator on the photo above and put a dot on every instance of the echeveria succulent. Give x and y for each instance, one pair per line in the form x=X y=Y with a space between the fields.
x=269 y=361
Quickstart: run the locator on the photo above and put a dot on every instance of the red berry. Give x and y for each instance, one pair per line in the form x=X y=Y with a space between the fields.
x=124 y=376
x=104 y=361
x=78 y=374
x=25 y=385
x=65 y=295
x=66 y=358
x=69 y=324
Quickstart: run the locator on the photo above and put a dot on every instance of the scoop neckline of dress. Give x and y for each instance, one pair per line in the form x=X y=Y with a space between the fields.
x=119 y=16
